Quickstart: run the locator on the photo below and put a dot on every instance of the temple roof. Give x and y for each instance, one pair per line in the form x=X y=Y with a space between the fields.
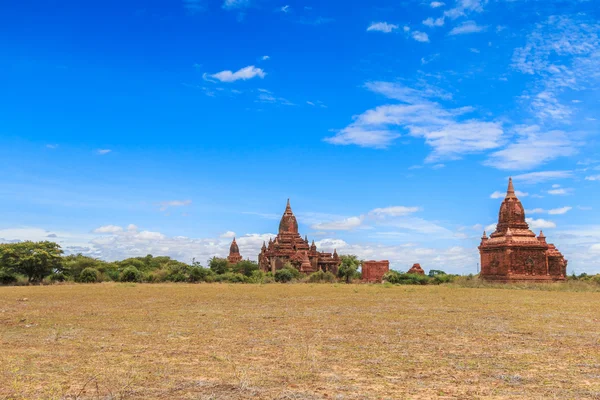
x=511 y=218
x=234 y=249
x=288 y=223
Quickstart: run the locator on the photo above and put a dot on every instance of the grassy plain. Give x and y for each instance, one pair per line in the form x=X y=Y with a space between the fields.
x=302 y=341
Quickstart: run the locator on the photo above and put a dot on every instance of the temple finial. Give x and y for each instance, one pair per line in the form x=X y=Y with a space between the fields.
x=510 y=192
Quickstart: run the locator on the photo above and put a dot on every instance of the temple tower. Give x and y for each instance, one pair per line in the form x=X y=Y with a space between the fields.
x=234 y=253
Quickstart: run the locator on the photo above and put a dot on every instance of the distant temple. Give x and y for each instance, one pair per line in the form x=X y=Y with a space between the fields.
x=289 y=247
x=416 y=269
x=373 y=271
x=514 y=253
x=234 y=253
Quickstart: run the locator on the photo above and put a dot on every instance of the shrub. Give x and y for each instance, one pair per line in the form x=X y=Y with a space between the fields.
x=113 y=274
x=200 y=274
x=321 y=276
x=284 y=275
x=89 y=275
x=261 y=277
x=219 y=265
x=245 y=267
x=405 y=279
x=434 y=272
x=7 y=277
x=57 y=277
x=443 y=278
x=231 y=277
x=131 y=274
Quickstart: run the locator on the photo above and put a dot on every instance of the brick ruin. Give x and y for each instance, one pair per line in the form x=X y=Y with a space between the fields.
x=373 y=271
x=234 y=253
x=514 y=253
x=416 y=269
x=289 y=247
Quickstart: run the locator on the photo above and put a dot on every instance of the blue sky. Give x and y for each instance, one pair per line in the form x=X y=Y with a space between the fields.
x=166 y=127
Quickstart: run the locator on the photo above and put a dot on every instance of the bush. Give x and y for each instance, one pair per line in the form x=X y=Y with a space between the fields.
x=284 y=275
x=57 y=277
x=231 y=277
x=89 y=275
x=443 y=278
x=245 y=267
x=200 y=274
x=7 y=277
x=261 y=277
x=321 y=276
x=405 y=279
x=131 y=274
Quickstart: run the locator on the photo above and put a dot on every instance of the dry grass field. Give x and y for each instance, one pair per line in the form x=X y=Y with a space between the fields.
x=223 y=341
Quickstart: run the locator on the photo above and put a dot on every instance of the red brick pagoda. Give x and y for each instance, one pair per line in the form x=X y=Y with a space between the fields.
x=514 y=253
x=234 y=253
x=289 y=247
x=416 y=269
x=373 y=271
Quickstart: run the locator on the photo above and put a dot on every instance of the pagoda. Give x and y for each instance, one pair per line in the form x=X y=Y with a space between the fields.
x=290 y=247
x=514 y=253
x=234 y=253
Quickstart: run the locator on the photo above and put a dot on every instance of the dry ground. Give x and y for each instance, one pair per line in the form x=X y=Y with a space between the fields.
x=222 y=341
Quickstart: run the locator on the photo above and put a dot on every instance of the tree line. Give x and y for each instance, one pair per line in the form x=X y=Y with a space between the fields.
x=45 y=262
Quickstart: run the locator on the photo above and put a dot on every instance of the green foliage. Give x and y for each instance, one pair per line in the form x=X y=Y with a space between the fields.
x=348 y=267
x=89 y=275
x=320 y=276
x=261 y=277
x=7 y=277
x=36 y=260
x=434 y=272
x=398 y=278
x=219 y=265
x=57 y=277
x=443 y=278
x=231 y=277
x=131 y=274
x=245 y=267
x=74 y=264
x=201 y=274
x=284 y=275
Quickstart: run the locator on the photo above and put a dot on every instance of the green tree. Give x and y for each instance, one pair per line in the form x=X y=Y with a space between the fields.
x=348 y=267
x=35 y=260
x=218 y=265
x=245 y=267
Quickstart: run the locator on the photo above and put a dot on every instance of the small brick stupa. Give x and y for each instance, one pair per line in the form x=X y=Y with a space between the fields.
x=514 y=253
x=234 y=253
x=416 y=269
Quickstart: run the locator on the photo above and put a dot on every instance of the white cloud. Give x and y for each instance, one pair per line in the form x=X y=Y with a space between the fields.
x=245 y=73
x=542 y=176
x=535 y=224
x=396 y=211
x=436 y=4
x=420 y=36
x=560 y=192
x=467 y=27
x=103 y=151
x=406 y=28
x=382 y=27
x=562 y=53
x=108 y=229
x=343 y=225
x=228 y=235
x=560 y=211
x=235 y=4
x=265 y=58
x=592 y=178
x=535 y=211
x=532 y=148
x=285 y=9
x=430 y=22
x=173 y=203
x=441 y=128
x=463 y=7
x=52 y=146
x=501 y=195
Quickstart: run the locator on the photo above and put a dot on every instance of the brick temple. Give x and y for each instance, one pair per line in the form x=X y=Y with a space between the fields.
x=373 y=271
x=234 y=253
x=514 y=253
x=289 y=246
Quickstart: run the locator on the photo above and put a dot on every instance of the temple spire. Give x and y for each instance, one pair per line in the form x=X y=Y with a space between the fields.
x=510 y=193
x=288 y=208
